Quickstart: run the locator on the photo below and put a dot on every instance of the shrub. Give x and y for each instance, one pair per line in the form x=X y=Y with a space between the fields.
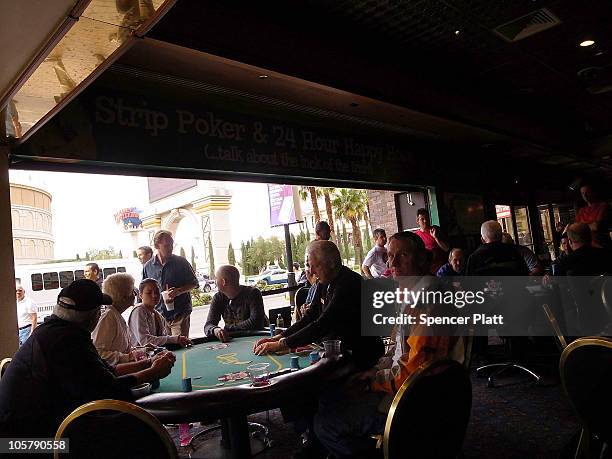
x=199 y=298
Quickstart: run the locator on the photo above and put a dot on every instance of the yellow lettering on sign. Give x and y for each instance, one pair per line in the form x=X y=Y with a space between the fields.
x=230 y=359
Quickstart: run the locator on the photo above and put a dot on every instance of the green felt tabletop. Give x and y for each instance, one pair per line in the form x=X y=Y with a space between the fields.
x=200 y=360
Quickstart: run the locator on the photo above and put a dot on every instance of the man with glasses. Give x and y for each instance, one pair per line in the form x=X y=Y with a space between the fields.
x=26 y=313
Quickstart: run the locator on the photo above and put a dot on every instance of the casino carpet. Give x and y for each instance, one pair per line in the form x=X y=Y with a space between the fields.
x=516 y=419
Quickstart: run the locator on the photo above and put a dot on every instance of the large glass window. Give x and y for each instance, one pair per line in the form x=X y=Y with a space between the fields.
x=37 y=282
x=79 y=274
x=523 y=228
x=66 y=278
x=51 y=281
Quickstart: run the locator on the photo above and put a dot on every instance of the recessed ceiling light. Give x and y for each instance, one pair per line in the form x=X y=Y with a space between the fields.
x=586 y=43
x=457 y=32
x=263 y=77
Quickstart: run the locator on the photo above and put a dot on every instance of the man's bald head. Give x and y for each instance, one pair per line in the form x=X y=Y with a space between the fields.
x=491 y=231
x=229 y=275
x=579 y=234
x=324 y=260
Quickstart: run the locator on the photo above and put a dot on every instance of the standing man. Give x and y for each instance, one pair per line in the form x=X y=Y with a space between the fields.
x=144 y=253
x=433 y=239
x=375 y=263
x=240 y=306
x=176 y=277
x=92 y=272
x=26 y=313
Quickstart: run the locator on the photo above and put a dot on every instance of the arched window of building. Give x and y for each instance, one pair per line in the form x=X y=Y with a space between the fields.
x=39 y=222
x=16 y=222
x=17 y=248
x=29 y=248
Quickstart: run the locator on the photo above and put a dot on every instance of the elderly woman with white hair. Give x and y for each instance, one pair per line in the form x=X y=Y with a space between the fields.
x=112 y=337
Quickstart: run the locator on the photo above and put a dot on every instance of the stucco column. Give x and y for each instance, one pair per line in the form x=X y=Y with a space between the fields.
x=8 y=311
x=215 y=208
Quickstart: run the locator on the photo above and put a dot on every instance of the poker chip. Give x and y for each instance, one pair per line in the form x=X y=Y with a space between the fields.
x=236 y=376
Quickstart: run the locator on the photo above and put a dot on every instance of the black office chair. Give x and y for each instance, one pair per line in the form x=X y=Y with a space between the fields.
x=300 y=296
x=285 y=313
x=589 y=297
x=430 y=413
x=586 y=374
x=114 y=429
x=518 y=298
x=4 y=365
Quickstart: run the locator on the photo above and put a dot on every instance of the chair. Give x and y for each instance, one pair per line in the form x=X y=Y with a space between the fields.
x=285 y=313
x=115 y=429
x=4 y=365
x=554 y=323
x=300 y=296
x=519 y=297
x=586 y=375
x=430 y=412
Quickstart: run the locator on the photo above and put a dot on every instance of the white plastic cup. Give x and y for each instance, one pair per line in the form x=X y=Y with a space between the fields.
x=168 y=301
x=332 y=348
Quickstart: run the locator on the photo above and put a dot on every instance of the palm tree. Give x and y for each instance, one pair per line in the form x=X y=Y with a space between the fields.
x=327 y=192
x=314 y=194
x=350 y=205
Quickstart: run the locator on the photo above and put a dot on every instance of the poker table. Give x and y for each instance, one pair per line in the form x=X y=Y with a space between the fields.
x=231 y=402
x=207 y=361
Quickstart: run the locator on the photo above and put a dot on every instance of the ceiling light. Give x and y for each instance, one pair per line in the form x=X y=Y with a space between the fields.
x=586 y=43
x=457 y=32
x=263 y=77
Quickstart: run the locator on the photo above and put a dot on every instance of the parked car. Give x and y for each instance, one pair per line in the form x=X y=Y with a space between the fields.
x=206 y=283
x=270 y=277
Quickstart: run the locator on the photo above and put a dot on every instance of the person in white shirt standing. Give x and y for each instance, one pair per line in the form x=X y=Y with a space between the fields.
x=375 y=263
x=26 y=313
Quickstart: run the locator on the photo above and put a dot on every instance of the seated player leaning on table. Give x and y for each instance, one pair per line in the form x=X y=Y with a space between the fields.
x=349 y=414
x=240 y=306
x=146 y=323
x=340 y=314
x=112 y=337
x=59 y=369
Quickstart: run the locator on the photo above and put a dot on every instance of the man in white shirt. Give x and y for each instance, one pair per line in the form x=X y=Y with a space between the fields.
x=26 y=314
x=375 y=263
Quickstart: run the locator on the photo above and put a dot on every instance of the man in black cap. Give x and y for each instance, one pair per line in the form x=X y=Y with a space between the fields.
x=59 y=369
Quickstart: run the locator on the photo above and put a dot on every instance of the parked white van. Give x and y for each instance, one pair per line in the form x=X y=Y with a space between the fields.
x=43 y=282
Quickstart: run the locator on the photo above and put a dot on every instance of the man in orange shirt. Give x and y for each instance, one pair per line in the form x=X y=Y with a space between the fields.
x=348 y=417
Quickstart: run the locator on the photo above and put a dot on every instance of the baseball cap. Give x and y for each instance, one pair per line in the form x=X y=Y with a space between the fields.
x=83 y=295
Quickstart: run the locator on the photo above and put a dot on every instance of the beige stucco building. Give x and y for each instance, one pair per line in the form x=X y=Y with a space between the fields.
x=32 y=224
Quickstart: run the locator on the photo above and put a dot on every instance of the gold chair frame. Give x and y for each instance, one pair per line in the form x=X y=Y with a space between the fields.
x=3 y=364
x=583 y=446
x=122 y=407
x=407 y=386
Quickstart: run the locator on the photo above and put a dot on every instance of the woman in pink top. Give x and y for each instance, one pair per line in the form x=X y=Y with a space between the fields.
x=596 y=214
x=433 y=240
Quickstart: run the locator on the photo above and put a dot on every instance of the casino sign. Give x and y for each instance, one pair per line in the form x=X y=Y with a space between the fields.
x=129 y=218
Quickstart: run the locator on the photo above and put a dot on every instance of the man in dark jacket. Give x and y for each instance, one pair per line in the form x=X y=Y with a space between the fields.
x=339 y=316
x=58 y=368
